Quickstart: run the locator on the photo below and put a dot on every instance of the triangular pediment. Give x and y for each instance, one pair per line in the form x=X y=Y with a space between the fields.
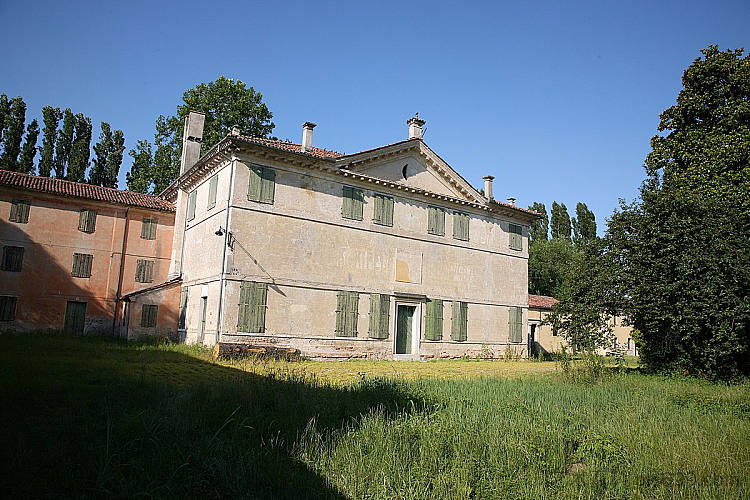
x=413 y=164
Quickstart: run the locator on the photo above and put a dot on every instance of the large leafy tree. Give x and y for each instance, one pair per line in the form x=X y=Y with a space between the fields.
x=540 y=227
x=13 y=133
x=80 y=150
x=584 y=225
x=560 y=221
x=226 y=103
x=51 y=119
x=64 y=143
x=549 y=264
x=139 y=176
x=28 y=152
x=107 y=157
x=682 y=250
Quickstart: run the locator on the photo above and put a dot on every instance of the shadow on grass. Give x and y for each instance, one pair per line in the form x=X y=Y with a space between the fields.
x=96 y=417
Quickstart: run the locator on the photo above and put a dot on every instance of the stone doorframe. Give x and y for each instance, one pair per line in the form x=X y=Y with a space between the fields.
x=416 y=327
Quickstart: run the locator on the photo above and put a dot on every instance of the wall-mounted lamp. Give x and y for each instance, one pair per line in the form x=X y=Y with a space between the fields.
x=230 y=236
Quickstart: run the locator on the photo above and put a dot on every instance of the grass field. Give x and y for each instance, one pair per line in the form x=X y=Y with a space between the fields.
x=94 y=417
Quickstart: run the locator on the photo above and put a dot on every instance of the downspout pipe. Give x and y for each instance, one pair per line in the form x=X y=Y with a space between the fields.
x=122 y=269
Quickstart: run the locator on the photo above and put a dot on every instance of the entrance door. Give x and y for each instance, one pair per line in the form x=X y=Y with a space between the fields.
x=404 y=322
x=75 y=318
x=532 y=342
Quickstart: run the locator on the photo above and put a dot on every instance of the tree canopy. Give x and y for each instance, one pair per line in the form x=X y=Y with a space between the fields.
x=560 y=221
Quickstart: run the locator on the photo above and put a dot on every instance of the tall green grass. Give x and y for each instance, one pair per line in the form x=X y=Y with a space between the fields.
x=94 y=417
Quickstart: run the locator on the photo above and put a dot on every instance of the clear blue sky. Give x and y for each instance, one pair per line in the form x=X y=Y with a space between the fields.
x=558 y=100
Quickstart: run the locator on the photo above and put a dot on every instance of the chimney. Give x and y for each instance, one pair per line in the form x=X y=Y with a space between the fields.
x=307 y=130
x=488 y=187
x=415 y=127
x=192 y=136
x=512 y=200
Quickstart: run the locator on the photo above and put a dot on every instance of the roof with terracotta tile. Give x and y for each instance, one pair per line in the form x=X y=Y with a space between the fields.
x=542 y=301
x=62 y=187
x=291 y=147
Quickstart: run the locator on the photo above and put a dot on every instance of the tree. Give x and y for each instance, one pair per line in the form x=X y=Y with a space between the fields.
x=681 y=251
x=226 y=103
x=64 y=143
x=540 y=227
x=139 y=177
x=549 y=263
x=51 y=118
x=28 y=152
x=108 y=157
x=4 y=114
x=584 y=225
x=13 y=134
x=80 y=150
x=560 y=221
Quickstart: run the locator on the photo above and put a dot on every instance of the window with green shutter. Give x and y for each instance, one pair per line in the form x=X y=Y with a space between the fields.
x=144 y=271
x=87 y=220
x=8 y=308
x=212 y=185
x=436 y=221
x=515 y=325
x=261 y=184
x=191 y=205
x=346 y=314
x=459 y=320
x=82 y=265
x=382 y=210
x=251 y=316
x=434 y=320
x=380 y=305
x=183 y=308
x=460 y=226
x=352 y=203
x=148 y=315
x=148 y=228
x=19 y=211
x=12 y=259
x=515 y=236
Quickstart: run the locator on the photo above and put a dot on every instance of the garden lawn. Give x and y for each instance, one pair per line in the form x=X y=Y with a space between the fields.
x=97 y=417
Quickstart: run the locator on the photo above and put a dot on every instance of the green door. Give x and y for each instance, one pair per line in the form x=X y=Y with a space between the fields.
x=403 y=329
x=75 y=318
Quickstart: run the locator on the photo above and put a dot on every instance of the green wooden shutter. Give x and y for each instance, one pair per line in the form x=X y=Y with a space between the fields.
x=352 y=203
x=388 y=211
x=19 y=211
x=82 y=218
x=460 y=226
x=268 y=185
x=429 y=319
x=357 y=204
x=385 y=311
x=152 y=232
x=139 y=271
x=340 y=313
x=8 y=308
x=148 y=271
x=377 y=212
x=260 y=294
x=145 y=228
x=191 y=205
x=346 y=203
x=436 y=221
x=459 y=318
x=87 y=261
x=464 y=319
x=515 y=327
x=254 y=184
x=434 y=320
x=212 y=185
x=374 y=330
x=243 y=313
x=352 y=314
x=515 y=236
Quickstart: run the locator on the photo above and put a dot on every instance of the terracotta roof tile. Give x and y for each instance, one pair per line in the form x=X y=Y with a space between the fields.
x=542 y=301
x=289 y=146
x=81 y=190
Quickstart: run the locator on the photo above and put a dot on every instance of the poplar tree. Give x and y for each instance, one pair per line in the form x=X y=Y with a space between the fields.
x=51 y=118
x=13 y=134
x=560 y=221
x=80 y=150
x=64 y=144
x=139 y=176
x=584 y=225
x=28 y=152
x=108 y=157
x=4 y=113
x=540 y=227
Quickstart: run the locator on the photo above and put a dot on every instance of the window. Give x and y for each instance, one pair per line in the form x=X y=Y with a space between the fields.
x=87 y=220
x=353 y=201
x=515 y=325
x=82 y=265
x=383 y=210
x=191 y=205
x=19 y=211
x=459 y=319
x=148 y=315
x=12 y=259
x=183 y=307
x=148 y=228
x=144 y=271
x=433 y=319
x=460 y=226
x=261 y=185
x=346 y=314
x=436 y=221
x=8 y=308
x=212 y=185
x=515 y=236
x=380 y=306
x=252 y=308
